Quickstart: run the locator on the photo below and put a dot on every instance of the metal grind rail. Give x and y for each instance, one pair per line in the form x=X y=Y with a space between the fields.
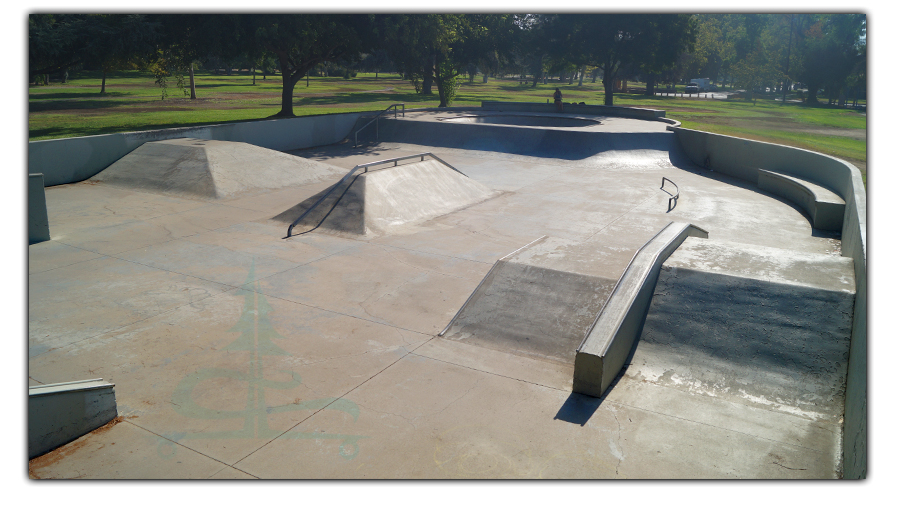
x=673 y=200
x=365 y=167
x=375 y=120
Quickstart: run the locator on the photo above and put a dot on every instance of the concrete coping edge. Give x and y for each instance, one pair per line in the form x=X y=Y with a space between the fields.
x=608 y=342
x=68 y=387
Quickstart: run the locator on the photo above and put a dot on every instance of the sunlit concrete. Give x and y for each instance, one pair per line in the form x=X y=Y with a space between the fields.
x=239 y=353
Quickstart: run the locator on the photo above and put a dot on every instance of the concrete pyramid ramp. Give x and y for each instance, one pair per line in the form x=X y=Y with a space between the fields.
x=212 y=169
x=749 y=324
x=388 y=200
x=530 y=309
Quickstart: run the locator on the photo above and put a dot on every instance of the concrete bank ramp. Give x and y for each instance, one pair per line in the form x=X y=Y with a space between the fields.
x=751 y=324
x=212 y=169
x=388 y=200
x=528 y=306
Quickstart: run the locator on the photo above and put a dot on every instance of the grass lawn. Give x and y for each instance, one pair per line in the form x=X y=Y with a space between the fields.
x=133 y=102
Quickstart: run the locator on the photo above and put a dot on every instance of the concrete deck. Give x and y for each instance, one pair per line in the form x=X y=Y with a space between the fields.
x=237 y=353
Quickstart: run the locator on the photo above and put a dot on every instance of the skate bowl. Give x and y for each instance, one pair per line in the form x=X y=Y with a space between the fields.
x=527 y=120
x=447 y=309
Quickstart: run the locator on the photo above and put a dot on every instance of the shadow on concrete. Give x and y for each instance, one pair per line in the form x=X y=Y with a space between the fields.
x=578 y=408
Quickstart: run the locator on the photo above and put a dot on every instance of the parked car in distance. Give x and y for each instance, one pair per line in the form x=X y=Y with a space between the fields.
x=692 y=89
x=712 y=87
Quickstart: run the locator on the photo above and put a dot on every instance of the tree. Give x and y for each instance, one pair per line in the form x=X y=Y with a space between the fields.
x=608 y=41
x=437 y=48
x=470 y=38
x=534 y=44
x=119 y=40
x=301 y=41
x=57 y=42
x=831 y=49
x=665 y=38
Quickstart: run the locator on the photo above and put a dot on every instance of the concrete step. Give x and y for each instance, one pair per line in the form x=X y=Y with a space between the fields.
x=751 y=324
x=824 y=207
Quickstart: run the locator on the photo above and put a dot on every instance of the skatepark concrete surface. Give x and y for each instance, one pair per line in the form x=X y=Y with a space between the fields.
x=240 y=353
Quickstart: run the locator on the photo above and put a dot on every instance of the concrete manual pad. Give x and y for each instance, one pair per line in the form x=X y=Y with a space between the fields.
x=238 y=353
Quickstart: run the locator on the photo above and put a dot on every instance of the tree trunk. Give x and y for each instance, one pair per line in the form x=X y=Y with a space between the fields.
x=442 y=95
x=609 y=82
x=428 y=79
x=289 y=78
x=193 y=86
x=811 y=98
x=651 y=83
x=103 y=83
x=254 y=75
x=581 y=76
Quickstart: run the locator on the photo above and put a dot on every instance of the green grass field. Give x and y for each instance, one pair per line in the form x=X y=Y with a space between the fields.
x=133 y=102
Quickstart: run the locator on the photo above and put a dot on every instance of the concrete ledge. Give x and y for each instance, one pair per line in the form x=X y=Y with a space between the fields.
x=824 y=207
x=604 y=110
x=38 y=224
x=60 y=413
x=617 y=328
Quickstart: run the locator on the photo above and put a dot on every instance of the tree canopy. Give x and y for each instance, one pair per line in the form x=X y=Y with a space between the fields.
x=754 y=51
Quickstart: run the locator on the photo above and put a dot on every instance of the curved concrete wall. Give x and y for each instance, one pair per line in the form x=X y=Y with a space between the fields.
x=528 y=141
x=75 y=159
x=742 y=158
x=571 y=108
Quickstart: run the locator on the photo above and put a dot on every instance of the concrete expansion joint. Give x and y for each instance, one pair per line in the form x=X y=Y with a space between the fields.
x=410 y=421
x=473 y=386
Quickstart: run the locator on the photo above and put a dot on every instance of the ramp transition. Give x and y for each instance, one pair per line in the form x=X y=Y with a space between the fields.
x=750 y=324
x=212 y=169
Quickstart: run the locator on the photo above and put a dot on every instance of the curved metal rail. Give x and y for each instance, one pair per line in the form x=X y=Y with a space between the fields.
x=365 y=167
x=375 y=120
x=673 y=200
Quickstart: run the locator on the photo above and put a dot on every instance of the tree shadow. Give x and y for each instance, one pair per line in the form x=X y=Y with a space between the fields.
x=66 y=132
x=87 y=104
x=363 y=97
x=75 y=95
